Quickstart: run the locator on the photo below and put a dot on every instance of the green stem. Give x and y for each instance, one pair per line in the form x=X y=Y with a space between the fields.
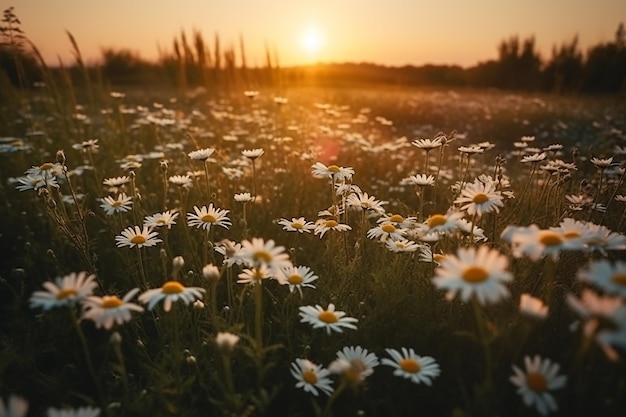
x=258 y=323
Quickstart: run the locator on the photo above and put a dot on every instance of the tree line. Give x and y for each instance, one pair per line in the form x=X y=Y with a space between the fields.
x=192 y=61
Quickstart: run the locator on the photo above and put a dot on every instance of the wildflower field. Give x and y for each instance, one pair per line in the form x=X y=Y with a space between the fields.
x=312 y=252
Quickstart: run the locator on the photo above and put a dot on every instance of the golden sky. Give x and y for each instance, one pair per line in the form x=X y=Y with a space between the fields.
x=390 y=32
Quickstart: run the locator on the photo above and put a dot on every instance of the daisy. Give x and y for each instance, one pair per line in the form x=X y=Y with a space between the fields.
x=575 y=232
x=171 y=291
x=478 y=198
x=34 y=182
x=428 y=144
x=311 y=377
x=471 y=149
x=66 y=291
x=254 y=276
x=534 y=158
x=78 y=412
x=466 y=228
x=334 y=172
x=533 y=242
x=611 y=278
x=324 y=225
x=205 y=217
x=474 y=272
x=15 y=407
x=110 y=309
x=420 y=180
x=329 y=319
x=401 y=245
x=298 y=277
x=536 y=381
x=183 y=181
x=532 y=307
x=135 y=236
x=398 y=220
x=354 y=363
x=407 y=364
x=201 y=154
x=115 y=182
x=602 y=163
x=243 y=197
x=366 y=202
x=90 y=145
x=384 y=231
x=167 y=218
x=252 y=153
x=258 y=253
x=229 y=250
x=443 y=223
x=602 y=239
x=121 y=204
x=604 y=319
x=300 y=225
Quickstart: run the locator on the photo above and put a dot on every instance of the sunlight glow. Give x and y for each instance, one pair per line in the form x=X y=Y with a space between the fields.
x=312 y=41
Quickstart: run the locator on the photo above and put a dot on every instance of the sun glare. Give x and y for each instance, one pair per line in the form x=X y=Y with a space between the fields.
x=312 y=41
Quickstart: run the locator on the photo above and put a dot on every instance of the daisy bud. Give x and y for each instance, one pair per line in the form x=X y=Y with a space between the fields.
x=116 y=338
x=178 y=262
x=226 y=342
x=61 y=157
x=198 y=305
x=163 y=166
x=211 y=273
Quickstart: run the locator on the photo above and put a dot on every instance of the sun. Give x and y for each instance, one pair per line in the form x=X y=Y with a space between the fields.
x=312 y=41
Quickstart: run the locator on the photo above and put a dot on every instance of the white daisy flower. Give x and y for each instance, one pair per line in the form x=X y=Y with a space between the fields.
x=354 y=363
x=298 y=277
x=121 y=204
x=420 y=180
x=478 y=198
x=243 y=197
x=329 y=319
x=66 y=291
x=384 y=231
x=409 y=365
x=332 y=172
x=201 y=154
x=365 y=202
x=108 y=310
x=135 y=236
x=226 y=341
x=532 y=307
x=167 y=219
x=183 y=181
x=474 y=272
x=401 y=245
x=428 y=144
x=311 y=377
x=205 y=217
x=254 y=276
x=443 y=223
x=171 y=291
x=610 y=277
x=324 y=225
x=534 y=384
x=300 y=225
x=252 y=153
x=257 y=252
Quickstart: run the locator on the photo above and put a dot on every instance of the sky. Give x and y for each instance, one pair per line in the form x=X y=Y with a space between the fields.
x=388 y=32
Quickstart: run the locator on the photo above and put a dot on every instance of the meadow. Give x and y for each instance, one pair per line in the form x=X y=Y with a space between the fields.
x=312 y=252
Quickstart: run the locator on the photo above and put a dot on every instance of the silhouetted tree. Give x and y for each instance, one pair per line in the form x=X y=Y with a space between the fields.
x=564 y=70
x=605 y=67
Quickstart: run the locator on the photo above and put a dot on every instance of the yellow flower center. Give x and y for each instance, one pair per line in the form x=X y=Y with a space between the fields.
x=439 y=257
x=297 y=225
x=388 y=228
x=138 y=240
x=571 y=234
x=333 y=168
x=619 y=278
x=328 y=317
x=400 y=245
x=331 y=223
x=66 y=293
x=208 y=218
x=309 y=377
x=409 y=365
x=536 y=382
x=172 y=287
x=111 y=301
x=116 y=203
x=396 y=218
x=480 y=198
x=295 y=279
x=258 y=275
x=263 y=256
x=550 y=238
x=47 y=165
x=436 y=220
x=161 y=221
x=474 y=274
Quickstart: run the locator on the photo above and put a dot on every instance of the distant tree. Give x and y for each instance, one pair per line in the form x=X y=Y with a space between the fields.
x=123 y=66
x=605 y=67
x=518 y=64
x=16 y=60
x=563 y=73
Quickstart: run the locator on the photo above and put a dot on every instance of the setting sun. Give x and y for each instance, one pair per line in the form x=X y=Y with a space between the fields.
x=312 y=41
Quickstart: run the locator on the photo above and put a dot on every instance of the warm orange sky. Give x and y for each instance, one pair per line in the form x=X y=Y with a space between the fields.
x=391 y=32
